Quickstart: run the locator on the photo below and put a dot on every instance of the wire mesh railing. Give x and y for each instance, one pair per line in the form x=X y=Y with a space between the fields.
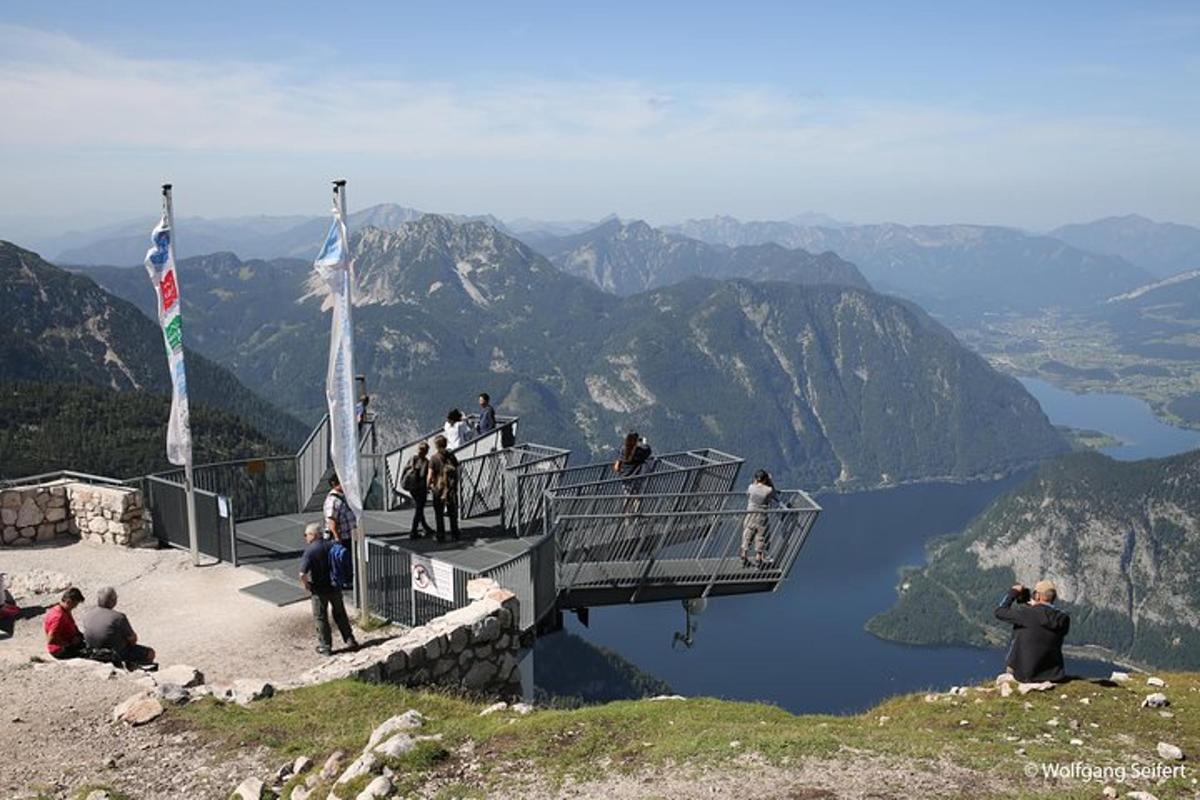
x=677 y=539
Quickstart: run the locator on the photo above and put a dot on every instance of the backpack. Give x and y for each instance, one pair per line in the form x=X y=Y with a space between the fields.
x=408 y=479
x=341 y=569
x=448 y=476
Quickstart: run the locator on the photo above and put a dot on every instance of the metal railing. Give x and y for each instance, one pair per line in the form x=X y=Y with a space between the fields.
x=530 y=576
x=639 y=542
x=504 y=435
x=259 y=487
x=684 y=471
x=392 y=595
x=312 y=462
x=64 y=475
x=529 y=474
x=167 y=504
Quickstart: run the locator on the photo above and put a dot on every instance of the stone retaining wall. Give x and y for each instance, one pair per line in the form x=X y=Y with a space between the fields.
x=473 y=648
x=41 y=513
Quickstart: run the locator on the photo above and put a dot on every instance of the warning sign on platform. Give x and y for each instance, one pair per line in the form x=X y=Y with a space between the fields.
x=433 y=577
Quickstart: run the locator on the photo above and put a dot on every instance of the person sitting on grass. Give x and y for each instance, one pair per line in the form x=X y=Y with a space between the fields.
x=63 y=639
x=1039 y=629
x=105 y=629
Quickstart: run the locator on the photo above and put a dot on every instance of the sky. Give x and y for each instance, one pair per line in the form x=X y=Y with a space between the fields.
x=1030 y=114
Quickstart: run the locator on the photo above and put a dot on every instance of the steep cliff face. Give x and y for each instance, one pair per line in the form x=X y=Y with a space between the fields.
x=1121 y=540
x=846 y=388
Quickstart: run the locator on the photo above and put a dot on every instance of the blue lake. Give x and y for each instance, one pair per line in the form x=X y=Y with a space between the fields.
x=804 y=647
x=1127 y=418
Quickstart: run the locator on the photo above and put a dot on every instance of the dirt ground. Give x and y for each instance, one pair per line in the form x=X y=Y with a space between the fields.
x=55 y=717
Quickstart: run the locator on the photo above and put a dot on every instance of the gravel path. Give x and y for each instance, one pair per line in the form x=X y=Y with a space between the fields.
x=56 y=716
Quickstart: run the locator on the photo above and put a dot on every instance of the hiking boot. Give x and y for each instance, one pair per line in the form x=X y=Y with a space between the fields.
x=352 y=643
x=323 y=650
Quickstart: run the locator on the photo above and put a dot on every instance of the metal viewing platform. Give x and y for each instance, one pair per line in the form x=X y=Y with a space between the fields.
x=560 y=536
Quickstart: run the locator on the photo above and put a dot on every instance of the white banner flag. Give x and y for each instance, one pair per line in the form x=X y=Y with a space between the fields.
x=334 y=267
x=160 y=263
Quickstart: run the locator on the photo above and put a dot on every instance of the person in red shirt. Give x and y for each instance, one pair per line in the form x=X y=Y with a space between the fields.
x=63 y=639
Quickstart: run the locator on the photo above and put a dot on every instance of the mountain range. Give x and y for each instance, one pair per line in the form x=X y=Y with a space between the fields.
x=630 y=257
x=62 y=329
x=829 y=385
x=249 y=237
x=954 y=271
x=1162 y=248
x=1121 y=539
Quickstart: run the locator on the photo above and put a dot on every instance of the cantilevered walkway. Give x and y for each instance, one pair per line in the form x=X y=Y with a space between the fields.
x=561 y=536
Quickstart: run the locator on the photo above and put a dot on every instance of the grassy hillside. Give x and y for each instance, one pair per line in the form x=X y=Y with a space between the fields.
x=975 y=745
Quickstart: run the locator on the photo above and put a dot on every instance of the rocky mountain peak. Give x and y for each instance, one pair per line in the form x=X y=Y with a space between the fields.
x=436 y=260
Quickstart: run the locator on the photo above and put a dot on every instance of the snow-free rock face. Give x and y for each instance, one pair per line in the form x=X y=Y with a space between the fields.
x=630 y=257
x=1120 y=539
x=438 y=263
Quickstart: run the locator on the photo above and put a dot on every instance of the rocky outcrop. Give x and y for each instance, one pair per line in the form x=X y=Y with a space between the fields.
x=473 y=648
x=103 y=514
x=1119 y=538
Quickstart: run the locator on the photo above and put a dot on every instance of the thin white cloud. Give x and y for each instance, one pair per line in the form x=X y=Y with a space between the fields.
x=726 y=147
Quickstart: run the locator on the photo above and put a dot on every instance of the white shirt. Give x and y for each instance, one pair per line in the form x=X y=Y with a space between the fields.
x=457 y=434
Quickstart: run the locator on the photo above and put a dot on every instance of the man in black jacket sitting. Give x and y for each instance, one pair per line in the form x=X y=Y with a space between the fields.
x=1038 y=632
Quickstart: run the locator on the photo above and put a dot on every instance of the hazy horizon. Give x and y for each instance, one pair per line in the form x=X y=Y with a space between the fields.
x=923 y=114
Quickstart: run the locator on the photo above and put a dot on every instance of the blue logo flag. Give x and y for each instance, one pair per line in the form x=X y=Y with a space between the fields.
x=331 y=251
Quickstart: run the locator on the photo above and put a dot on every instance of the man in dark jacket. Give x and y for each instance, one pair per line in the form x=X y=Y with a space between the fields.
x=1038 y=632
x=316 y=578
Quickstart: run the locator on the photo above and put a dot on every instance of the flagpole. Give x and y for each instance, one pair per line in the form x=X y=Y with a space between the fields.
x=188 y=485
x=360 y=528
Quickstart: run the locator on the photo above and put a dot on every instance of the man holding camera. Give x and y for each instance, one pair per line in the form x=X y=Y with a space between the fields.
x=1039 y=629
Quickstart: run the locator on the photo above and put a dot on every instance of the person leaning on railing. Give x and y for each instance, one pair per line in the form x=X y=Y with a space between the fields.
x=456 y=430
x=760 y=497
x=487 y=415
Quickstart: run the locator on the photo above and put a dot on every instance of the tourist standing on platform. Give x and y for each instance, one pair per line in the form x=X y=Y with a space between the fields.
x=456 y=429
x=339 y=517
x=415 y=481
x=487 y=415
x=443 y=482
x=316 y=579
x=632 y=459
x=755 y=530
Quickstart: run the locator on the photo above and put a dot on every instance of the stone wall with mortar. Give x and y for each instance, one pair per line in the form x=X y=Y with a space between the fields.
x=473 y=648
x=44 y=512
